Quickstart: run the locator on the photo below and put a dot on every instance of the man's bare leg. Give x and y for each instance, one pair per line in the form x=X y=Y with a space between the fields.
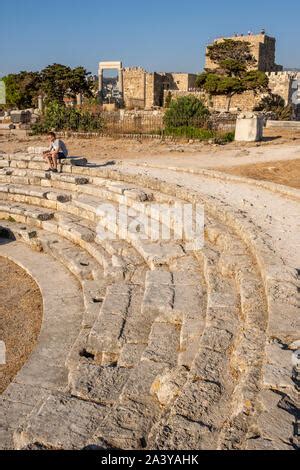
x=50 y=161
x=47 y=158
x=54 y=156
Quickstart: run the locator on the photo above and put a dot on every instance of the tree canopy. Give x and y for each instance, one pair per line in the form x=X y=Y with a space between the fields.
x=230 y=55
x=232 y=74
x=55 y=82
x=59 y=81
x=22 y=89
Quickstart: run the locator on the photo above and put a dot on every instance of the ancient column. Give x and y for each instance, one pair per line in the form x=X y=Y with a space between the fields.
x=40 y=103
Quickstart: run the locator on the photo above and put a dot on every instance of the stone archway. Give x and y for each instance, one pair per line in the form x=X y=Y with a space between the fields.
x=115 y=65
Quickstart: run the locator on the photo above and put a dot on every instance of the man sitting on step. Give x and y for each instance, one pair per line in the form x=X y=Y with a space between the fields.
x=57 y=151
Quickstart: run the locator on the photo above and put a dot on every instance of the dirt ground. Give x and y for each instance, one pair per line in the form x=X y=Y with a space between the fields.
x=287 y=173
x=20 y=318
x=276 y=158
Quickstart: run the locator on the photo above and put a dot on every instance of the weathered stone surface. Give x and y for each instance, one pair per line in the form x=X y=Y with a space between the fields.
x=163 y=344
x=12 y=413
x=159 y=294
x=93 y=294
x=274 y=424
x=106 y=334
x=77 y=420
x=136 y=194
x=128 y=425
x=179 y=433
x=98 y=384
x=211 y=366
x=158 y=253
x=130 y=355
x=140 y=381
x=278 y=368
x=168 y=386
x=201 y=401
x=216 y=339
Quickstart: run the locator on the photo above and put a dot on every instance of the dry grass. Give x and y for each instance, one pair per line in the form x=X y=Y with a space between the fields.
x=20 y=318
x=285 y=172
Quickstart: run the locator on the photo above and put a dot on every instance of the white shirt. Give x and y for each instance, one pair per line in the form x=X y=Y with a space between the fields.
x=60 y=146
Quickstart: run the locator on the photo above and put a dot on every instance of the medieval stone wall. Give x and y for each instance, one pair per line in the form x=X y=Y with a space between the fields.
x=134 y=87
x=280 y=83
x=146 y=90
x=244 y=102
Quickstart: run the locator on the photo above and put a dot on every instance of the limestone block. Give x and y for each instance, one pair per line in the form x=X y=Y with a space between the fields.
x=163 y=344
x=278 y=368
x=136 y=194
x=98 y=384
x=4 y=163
x=127 y=426
x=93 y=295
x=158 y=299
x=77 y=419
x=105 y=336
x=53 y=196
x=218 y=340
x=168 y=386
x=275 y=424
x=249 y=128
x=200 y=401
x=130 y=355
x=159 y=253
x=37 y=150
x=140 y=381
x=181 y=433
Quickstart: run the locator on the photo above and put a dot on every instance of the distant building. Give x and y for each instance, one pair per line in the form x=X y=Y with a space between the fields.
x=136 y=88
x=145 y=90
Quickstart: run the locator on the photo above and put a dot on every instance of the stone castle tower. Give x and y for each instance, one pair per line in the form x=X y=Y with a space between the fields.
x=262 y=48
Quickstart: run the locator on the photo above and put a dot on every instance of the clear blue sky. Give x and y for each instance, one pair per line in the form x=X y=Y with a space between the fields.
x=160 y=35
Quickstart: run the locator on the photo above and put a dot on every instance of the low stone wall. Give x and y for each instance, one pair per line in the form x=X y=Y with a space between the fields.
x=289 y=125
x=246 y=101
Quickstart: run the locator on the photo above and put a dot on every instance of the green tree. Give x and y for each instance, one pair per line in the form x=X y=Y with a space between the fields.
x=186 y=111
x=59 y=81
x=22 y=89
x=232 y=74
x=230 y=55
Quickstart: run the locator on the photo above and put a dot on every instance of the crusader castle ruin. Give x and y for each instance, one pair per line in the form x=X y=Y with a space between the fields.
x=139 y=89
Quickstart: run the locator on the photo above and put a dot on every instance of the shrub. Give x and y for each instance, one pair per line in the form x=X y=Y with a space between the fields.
x=190 y=132
x=186 y=111
x=224 y=138
x=60 y=118
x=275 y=104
